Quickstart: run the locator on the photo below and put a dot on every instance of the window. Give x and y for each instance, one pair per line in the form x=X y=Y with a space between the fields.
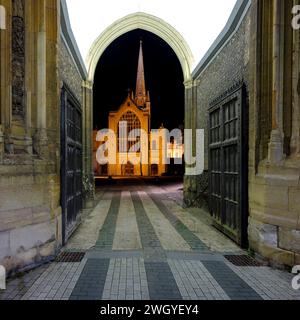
x=132 y=122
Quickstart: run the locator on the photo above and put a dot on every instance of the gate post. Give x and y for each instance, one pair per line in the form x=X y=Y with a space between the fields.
x=88 y=174
x=190 y=182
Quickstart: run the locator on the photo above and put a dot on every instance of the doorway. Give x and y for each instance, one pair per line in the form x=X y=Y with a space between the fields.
x=71 y=162
x=228 y=165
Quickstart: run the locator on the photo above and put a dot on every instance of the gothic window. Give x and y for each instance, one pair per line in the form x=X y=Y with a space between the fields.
x=130 y=121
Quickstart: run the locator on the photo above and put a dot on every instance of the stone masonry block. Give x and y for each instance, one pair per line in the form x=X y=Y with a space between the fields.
x=31 y=236
x=289 y=240
x=262 y=233
x=4 y=245
x=294 y=202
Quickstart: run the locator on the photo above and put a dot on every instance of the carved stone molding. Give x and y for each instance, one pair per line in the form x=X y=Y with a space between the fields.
x=40 y=144
x=18 y=59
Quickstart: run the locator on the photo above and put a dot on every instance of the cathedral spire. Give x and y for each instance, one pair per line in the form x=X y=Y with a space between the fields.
x=140 y=93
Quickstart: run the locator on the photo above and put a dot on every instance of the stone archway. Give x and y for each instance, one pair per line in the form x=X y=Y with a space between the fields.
x=129 y=23
x=146 y=22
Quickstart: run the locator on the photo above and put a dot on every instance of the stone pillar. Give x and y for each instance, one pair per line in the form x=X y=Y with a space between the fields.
x=295 y=140
x=29 y=75
x=191 y=112
x=5 y=82
x=88 y=174
x=277 y=136
x=40 y=140
x=2 y=79
x=190 y=181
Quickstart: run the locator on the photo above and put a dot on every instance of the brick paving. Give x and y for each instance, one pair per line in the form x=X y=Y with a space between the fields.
x=195 y=282
x=234 y=286
x=90 y=284
x=126 y=280
x=150 y=269
x=192 y=240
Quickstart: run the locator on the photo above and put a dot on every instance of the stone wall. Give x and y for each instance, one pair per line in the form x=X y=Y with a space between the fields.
x=68 y=71
x=30 y=213
x=228 y=67
x=71 y=78
x=74 y=75
x=264 y=52
x=274 y=139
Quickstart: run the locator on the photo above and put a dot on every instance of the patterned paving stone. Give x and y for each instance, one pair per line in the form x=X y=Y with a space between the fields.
x=194 y=242
x=270 y=284
x=126 y=280
x=90 y=284
x=231 y=283
x=148 y=271
x=161 y=282
x=169 y=238
x=195 y=282
x=150 y=242
x=87 y=234
x=127 y=234
x=56 y=282
x=107 y=233
x=19 y=286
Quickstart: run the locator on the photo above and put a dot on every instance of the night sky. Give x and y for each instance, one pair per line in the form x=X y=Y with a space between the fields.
x=116 y=73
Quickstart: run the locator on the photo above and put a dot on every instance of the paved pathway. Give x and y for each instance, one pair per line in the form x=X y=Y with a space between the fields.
x=140 y=244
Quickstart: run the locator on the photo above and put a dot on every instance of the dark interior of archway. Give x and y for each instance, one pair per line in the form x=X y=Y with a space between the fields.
x=116 y=73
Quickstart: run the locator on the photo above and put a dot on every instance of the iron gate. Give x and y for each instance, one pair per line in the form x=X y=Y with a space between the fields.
x=228 y=164
x=71 y=166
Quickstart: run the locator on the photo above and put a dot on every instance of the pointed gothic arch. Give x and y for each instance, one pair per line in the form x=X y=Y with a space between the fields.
x=145 y=22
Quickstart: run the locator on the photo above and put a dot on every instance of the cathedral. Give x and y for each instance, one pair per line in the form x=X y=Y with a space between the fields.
x=135 y=114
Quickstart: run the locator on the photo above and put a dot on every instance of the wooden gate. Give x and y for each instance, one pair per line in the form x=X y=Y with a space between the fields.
x=228 y=164
x=71 y=162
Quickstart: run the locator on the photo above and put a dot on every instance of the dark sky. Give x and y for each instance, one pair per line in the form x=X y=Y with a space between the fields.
x=116 y=73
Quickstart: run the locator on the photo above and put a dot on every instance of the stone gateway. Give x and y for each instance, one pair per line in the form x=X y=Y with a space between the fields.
x=250 y=184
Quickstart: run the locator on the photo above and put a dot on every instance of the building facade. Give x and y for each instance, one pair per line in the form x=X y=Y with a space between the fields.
x=145 y=152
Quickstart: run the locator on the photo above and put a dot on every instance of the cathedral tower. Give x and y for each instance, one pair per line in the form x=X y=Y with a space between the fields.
x=142 y=97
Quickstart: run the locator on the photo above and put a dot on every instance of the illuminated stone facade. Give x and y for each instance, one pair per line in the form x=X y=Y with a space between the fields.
x=134 y=114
